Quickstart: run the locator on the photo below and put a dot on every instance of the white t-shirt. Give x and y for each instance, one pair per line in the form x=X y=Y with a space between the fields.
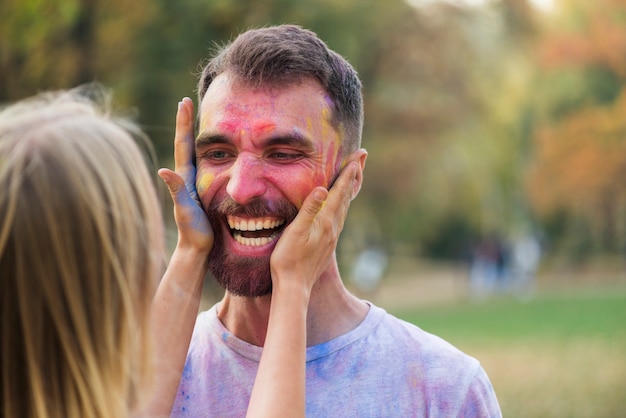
x=385 y=367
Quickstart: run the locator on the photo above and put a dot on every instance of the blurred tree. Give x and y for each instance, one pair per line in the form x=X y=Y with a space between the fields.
x=580 y=147
x=60 y=44
x=462 y=128
x=577 y=168
x=423 y=90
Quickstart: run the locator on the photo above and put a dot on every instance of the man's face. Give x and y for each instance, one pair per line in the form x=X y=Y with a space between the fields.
x=259 y=154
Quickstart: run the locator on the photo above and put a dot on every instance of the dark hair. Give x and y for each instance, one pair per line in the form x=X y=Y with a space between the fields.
x=284 y=55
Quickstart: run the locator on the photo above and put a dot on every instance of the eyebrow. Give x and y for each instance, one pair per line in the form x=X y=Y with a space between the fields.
x=205 y=139
x=294 y=139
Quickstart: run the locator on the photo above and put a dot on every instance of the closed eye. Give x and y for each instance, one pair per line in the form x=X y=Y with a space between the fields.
x=285 y=149
x=285 y=156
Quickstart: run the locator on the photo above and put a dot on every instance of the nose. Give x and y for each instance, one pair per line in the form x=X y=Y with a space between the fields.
x=246 y=179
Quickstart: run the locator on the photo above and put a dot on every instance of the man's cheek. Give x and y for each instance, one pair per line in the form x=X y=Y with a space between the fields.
x=331 y=162
x=203 y=183
x=302 y=189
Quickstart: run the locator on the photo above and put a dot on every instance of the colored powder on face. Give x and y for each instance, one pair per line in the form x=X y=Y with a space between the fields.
x=263 y=128
x=204 y=182
x=331 y=149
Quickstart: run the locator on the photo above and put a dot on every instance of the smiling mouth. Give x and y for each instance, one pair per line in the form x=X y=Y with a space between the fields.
x=255 y=232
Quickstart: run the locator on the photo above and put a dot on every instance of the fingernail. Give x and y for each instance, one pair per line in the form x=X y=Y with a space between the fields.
x=319 y=194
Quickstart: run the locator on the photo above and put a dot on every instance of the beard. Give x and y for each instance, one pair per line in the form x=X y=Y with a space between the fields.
x=241 y=275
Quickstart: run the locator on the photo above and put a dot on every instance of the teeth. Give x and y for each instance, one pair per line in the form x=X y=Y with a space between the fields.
x=240 y=224
x=253 y=242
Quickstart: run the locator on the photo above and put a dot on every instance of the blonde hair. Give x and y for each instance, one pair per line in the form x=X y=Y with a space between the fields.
x=80 y=253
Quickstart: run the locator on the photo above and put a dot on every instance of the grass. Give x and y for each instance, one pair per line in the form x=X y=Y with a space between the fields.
x=556 y=355
x=559 y=316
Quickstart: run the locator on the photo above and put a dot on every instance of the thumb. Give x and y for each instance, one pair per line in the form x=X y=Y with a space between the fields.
x=312 y=205
x=175 y=184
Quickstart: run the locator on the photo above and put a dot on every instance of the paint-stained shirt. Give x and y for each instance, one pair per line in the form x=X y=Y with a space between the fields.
x=385 y=367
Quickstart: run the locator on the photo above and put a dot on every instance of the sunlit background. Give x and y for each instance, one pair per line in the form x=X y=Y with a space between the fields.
x=493 y=210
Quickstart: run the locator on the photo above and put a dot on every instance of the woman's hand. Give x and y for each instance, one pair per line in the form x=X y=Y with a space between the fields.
x=308 y=243
x=194 y=230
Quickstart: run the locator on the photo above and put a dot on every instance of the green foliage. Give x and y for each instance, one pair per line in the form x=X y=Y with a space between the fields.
x=558 y=317
x=567 y=91
x=452 y=239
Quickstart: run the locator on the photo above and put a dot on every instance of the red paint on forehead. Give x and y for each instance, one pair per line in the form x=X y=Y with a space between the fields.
x=263 y=127
x=229 y=126
x=232 y=119
x=235 y=125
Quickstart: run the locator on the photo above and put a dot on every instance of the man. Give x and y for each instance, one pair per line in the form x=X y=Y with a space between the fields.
x=279 y=114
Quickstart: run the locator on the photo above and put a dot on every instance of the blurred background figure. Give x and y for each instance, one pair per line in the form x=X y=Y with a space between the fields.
x=500 y=267
x=525 y=261
x=369 y=269
x=489 y=268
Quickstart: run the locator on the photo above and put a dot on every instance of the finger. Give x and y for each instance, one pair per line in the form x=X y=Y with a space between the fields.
x=176 y=187
x=183 y=139
x=340 y=195
x=312 y=205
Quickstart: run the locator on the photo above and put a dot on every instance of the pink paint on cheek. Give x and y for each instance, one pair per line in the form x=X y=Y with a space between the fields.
x=299 y=185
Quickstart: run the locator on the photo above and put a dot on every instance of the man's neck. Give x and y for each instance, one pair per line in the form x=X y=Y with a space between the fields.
x=333 y=311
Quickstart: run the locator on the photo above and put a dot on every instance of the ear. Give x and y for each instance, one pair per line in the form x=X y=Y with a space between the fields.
x=359 y=156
